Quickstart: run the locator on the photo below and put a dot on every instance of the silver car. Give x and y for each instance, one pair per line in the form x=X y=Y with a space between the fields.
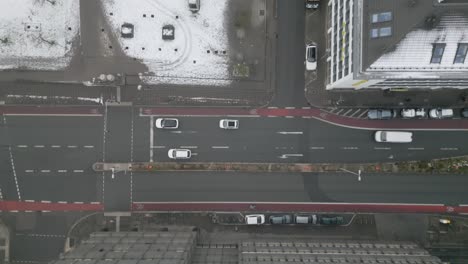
x=381 y=114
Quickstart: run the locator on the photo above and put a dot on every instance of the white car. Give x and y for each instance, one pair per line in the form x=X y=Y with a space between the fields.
x=408 y=113
x=229 y=124
x=421 y=113
x=311 y=57
x=257 y=219
x=167 y=123
x=179 y=153
x=440 y=113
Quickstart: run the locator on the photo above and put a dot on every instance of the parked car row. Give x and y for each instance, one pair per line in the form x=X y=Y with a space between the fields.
x=435 y=113
x=287 y=219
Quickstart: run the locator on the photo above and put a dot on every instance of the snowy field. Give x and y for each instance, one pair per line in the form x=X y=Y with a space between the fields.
x=37 y=34
x=199 y=53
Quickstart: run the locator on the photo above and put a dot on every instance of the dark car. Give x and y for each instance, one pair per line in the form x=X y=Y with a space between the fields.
x=464 y=112
x=312 y=4
x=331 y=220
x=127 y=30
x=381 y=114
x=280 y=219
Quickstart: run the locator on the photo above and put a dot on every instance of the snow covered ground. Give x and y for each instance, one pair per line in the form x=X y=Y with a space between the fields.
x=37 y=34
x=199 y=54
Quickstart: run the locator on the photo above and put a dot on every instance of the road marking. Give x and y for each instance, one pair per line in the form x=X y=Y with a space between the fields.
x=272 y=107
x=61 y=171
x=350 y=148
x=289 y=107
x=308 y=117
x=78 y=202
x=290 y=132
x=45 y=201
x=1 y=194
x=151 y=138
x=29 y=201
x=285 y=156
x=341 y=110
x=317 y=148
x=45 y=170
x=355 y=112
x=382 y=148
x=72 y=146
x=188 y=147
x=12 y=162
x=22 y=146
x=415 y=148
x=39 y=146
x=38 y=235
x=56 y=146
x=347 y=112
x=289 y=116
x=62 y=202
x=29 y=171
x=88 y=146
x=271 y=116
x=176 y=132
x=448 y=148
x=363 y=113
x=306 y=107
x=158 y=147
x=78 y=170
x=220 y=147
x=194 y=154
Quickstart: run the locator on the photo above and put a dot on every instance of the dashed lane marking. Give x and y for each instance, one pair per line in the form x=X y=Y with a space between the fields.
x=56 y=146
x=88 y=146
x=72 y=146
x=448 y=149
x=382 y=148
x=272 y=107
x=189 y=147
x=13 y=167
x=29 y=171
x=43 y=201
x=62 y=171
x=45 y=170
x=289 y=107
x=158 y=147
x=78 y=170
x=1 y=194
x=306 y=107
x=22 y=146
x=317 y=148
x=220 y=147
x=151 y=138
x=39 y=146
x=41 y=236
x=415 y=148
x=29 y=201
x=350 y=148
x=289 y=116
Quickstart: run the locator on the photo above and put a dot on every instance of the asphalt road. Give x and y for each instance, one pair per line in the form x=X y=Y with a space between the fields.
x=306 y=187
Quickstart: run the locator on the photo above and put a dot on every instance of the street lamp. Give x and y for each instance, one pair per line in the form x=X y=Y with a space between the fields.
x=354 y=173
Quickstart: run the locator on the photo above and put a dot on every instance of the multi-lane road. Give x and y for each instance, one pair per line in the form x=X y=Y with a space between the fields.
x=49 y=158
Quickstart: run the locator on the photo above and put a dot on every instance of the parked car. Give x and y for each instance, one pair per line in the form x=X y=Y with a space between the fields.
x=421 y=113
x=331 y=220
x=257 y=219
x=408 y=113
x=229 y=124
x=311 y=57
x=280 y=219
x=306 y=219
x=194 y=5
x=439 y=113
x=127 y=30
x=381 y=114
x=464 y=112
x=312 y=4
x=179 y=153
x=167 y=123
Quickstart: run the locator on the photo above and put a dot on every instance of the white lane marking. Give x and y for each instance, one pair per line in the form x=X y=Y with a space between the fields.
x=22 y=146
x=355 y=112
x=272 y=107
x=39 y=146
x=188 y=147
x=341 y=110
x=78 y=170
x=382 y=148
x=88 y=146
x=317 y=148
x=289 y=116
x=345 y=113
x=29 y=171
x=36 y=235
x=29 y=201
x=448 y=148
x=415 y=148
x=350 y=148
x=78 y=202
x=62 y=171
x=194 y=154
x=45 y=170
x=56 y=146
x=72 y=146
x=220 y=147
x=289 y=107
x=306 y=107
x=151 y=138
x=12 y=162
x=62 y=202
x=43 y=201
x=176 y=132
x=158 y=147
x=308 y=117
x=363 y=113
x=1 y=194
x=90 y=115
x=290 y=132
x=285 y=156
x=272 y=116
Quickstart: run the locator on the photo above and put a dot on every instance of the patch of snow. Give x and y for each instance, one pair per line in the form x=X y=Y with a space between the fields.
x=414 y=52
x=199 y=50
x=37 y=34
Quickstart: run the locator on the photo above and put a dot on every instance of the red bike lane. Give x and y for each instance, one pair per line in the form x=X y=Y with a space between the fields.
x=400 y=124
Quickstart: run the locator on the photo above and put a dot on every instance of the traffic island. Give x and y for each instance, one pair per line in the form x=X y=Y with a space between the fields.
x=458 y=165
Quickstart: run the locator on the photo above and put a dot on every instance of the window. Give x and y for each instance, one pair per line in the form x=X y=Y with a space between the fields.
x=374 y=33
x=461 y=53
x=437 y=52
x=381 y=17
x=385 y=31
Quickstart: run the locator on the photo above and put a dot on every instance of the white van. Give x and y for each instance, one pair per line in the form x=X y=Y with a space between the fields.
x=393 y=136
